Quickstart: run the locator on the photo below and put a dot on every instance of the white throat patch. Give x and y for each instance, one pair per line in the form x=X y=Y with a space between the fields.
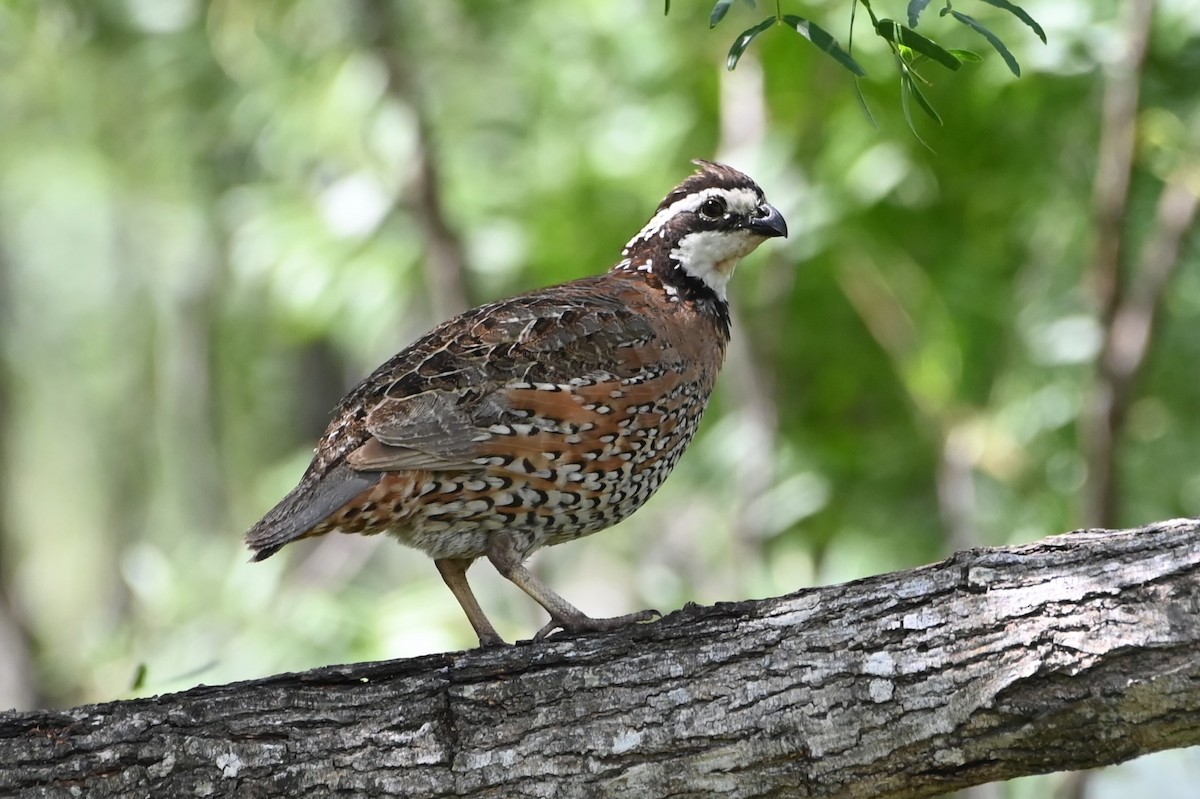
x=710 y=255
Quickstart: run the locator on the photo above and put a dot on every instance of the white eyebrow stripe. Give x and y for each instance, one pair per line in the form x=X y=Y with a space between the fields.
x=742 y=200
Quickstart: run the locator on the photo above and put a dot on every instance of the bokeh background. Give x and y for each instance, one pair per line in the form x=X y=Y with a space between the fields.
x=216 y=217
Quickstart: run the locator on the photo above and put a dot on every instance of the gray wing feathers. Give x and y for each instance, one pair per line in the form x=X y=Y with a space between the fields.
x=375 y=456
x=432 y=422
x=431 y=430
x=307 y=506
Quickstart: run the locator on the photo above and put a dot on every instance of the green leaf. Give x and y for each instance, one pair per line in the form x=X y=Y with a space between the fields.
x=895 y=32
x=905 y=93
x=915 y=7
x=667 y=8
x=743 y=41
x=1020 y=14
x=862 y=103
x=904 y=104
x=992 y=38
x=718 y=13
x=967 y=56
x=821 y=38
x=911 y=86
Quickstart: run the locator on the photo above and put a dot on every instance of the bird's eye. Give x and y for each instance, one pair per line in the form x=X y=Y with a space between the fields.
x=713 y=208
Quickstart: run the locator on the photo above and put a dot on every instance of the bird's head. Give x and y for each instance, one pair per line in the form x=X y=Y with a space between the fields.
x=708 y=223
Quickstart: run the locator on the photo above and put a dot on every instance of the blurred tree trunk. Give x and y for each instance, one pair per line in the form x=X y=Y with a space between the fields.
x=1115 y=162
x=1075 y=651
x=1128 y=306
x=445 y=259
x=743 y=125
x=16 y=673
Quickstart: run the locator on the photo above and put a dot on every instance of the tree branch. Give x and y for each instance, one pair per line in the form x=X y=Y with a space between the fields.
x=1130 y=333
x=445 y=258
x=1128 y=336
x=1117 y=149
x=1075 y=651
x=1105 y=411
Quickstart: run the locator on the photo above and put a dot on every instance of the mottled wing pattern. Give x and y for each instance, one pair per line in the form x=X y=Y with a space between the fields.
x=515 y=375
x=511 y=385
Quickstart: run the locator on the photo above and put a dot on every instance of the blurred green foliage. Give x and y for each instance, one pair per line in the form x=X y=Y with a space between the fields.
x=211 y=225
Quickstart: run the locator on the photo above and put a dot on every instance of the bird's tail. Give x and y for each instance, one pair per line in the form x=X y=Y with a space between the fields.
x=305 y=507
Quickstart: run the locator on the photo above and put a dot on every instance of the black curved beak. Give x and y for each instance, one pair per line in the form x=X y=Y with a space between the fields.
x=767 y=222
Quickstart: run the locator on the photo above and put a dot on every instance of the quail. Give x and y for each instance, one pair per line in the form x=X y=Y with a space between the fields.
x=542 y=418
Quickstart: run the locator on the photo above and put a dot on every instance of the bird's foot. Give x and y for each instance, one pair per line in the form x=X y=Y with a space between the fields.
x=582 y=623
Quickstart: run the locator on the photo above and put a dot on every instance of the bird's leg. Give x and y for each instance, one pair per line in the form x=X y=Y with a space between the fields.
x=506 y=557
x=454 y=574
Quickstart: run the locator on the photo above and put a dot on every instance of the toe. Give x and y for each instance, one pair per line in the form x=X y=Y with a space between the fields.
x=588 y=624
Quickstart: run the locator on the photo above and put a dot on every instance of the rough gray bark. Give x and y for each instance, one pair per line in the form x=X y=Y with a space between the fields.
x=1075 y=651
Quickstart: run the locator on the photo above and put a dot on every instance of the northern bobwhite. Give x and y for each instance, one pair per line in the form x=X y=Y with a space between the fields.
x=542 y=418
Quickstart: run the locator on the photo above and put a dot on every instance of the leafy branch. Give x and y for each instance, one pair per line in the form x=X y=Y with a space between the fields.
x=910 y=48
